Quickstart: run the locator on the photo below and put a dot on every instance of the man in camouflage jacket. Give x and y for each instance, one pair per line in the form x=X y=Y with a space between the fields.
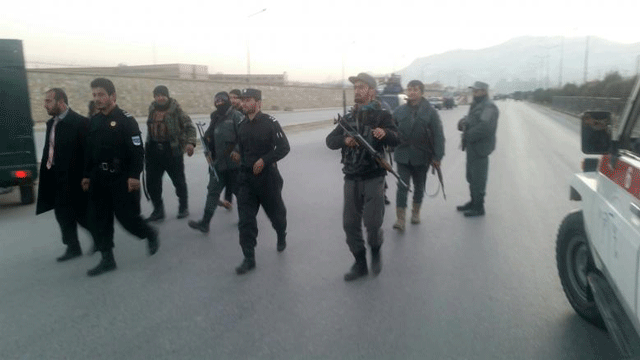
x=171 y=134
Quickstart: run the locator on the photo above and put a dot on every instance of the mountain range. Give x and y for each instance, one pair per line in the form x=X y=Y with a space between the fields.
x=527 y=63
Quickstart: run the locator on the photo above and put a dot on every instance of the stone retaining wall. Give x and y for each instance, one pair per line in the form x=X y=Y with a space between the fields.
x=134 y=94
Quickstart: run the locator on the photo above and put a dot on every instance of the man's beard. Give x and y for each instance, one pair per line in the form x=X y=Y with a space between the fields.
x=479 y=98
x=54 y=112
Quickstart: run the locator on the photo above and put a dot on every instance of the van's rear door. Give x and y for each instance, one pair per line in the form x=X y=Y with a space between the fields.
x=17 y=148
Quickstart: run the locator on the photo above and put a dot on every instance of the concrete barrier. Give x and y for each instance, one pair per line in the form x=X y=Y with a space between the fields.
x=134 y=94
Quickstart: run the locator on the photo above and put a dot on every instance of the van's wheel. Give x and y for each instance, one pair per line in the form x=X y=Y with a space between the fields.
x=27 y=195
x=574 y=263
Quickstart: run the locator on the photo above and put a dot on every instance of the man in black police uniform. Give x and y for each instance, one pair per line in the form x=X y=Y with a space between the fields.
x=113 y=164
x=262 y=143
x=61 y=170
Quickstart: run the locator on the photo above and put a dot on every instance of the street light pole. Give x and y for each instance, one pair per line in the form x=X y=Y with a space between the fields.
x=344 y=90
x=248 y=51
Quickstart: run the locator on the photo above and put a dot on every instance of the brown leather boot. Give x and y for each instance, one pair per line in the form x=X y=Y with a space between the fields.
x=400 y=213
x=415 y=214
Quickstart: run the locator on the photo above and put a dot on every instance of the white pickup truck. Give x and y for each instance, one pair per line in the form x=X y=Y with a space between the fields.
x=598 y=246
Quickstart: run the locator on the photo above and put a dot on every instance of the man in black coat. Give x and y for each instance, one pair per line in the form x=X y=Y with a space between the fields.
x=61 y=170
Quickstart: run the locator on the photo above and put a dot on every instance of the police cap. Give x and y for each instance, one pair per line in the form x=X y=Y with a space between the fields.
x=252 y=93
x=365 y=78
x=479 y=85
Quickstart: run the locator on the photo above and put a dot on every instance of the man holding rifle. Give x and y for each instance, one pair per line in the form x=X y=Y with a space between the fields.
x=422 y=145
x=221 y=138
x=364 y=172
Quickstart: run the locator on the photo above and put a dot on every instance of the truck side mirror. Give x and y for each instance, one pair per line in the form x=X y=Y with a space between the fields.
x=596 y=132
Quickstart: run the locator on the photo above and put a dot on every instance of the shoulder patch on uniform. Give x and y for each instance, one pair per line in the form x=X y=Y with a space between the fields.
x=137 y=141
x=127 y=114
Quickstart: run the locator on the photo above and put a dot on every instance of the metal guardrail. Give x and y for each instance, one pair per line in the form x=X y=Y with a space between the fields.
x=576 y=105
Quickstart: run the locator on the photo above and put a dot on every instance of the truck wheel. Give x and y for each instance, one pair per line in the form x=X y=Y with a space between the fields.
x=27 y=194
x=574 y=263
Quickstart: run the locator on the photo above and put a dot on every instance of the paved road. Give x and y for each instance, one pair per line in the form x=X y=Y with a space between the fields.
x=451 y=288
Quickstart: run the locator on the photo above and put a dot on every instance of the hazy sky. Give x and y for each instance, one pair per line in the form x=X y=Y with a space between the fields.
x=306 y=39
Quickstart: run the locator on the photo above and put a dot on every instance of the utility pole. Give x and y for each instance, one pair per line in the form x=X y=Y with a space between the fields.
x=248 y=52
x=586 y=60
x=561 y=60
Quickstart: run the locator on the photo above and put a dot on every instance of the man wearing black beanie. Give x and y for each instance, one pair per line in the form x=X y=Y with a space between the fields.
x=170 y=134
x=221 y=138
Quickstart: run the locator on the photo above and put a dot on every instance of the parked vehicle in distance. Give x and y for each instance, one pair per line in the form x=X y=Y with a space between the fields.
x=449 y=102
x=391 y=93
x=18 y=163
x=598 y=245
x=436 y=102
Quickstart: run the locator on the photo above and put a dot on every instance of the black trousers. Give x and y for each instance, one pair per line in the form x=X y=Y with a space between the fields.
x=109 y=197
x=254 y=190
x=70 y=209
x=159 y=158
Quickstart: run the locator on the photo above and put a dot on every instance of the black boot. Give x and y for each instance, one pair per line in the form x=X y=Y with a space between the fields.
x=107 y=263
x=477 y=210
x=376 y=261
x=247 y=265
x=72 y=252
x=201 y=226
x=183 y=210
x=282 y=241
x=359 y=268
x=153 y=243
x=157 y=214
x=465 y=207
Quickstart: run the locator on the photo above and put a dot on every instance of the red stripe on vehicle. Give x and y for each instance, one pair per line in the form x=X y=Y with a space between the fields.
x=624 y=175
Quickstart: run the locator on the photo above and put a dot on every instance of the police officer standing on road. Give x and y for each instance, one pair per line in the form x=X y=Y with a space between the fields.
x=61 y=170
x=170 y=134
x=221 y=137
x=478 y=140
x=364 y=178
x=422 y=143
x=262 y=144
x=112 y=170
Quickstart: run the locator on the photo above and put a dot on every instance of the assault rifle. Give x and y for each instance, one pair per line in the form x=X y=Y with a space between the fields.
x=362 y=142
x=205 y=148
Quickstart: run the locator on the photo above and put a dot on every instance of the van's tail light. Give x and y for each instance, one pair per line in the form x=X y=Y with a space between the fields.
x=22 y=174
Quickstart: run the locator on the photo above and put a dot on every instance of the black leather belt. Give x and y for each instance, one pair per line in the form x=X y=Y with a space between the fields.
x=160 y=146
